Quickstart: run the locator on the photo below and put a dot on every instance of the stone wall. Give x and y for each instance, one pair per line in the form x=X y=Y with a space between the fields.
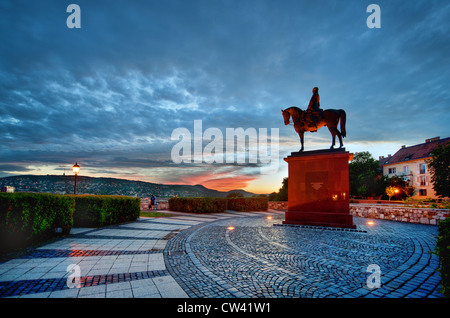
x=278 y=205
x=375 y=211
x=399 y=213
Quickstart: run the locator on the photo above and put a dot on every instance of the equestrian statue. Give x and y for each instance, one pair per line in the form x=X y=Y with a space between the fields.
x=314 y=118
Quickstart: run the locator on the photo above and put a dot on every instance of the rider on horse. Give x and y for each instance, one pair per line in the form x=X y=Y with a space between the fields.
x=314 y=111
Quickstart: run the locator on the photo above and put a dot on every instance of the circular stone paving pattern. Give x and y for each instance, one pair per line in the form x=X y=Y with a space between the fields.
x=258 y=257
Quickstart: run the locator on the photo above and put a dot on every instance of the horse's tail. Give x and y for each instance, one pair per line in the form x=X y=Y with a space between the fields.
x=343 y=117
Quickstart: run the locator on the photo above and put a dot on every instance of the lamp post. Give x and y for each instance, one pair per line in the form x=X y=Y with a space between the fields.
x=75 y=169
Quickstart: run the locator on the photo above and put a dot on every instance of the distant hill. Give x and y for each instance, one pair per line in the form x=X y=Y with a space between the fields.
x=108 y=186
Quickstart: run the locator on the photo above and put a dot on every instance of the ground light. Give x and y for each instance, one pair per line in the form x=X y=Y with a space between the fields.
x=230 y=228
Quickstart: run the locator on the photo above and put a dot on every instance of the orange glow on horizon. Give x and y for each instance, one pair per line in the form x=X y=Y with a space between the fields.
x=220 y=183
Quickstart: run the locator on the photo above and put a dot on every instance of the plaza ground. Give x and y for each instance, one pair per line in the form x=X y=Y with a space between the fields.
x=229 y=255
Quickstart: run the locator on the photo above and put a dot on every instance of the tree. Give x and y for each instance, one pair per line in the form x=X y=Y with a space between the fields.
x=273 y=196
x=260 y=195
x=439 y=165
x=408 y=190
x=391 y=191
x=364 y=175
x=282 y=194
x=381 y=182
x=402 y=185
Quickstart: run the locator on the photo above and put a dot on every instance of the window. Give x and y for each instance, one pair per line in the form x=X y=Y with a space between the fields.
x=391 y=170
x=422 y=168
x=405 y=169
x=423 y=181
x=423 y=192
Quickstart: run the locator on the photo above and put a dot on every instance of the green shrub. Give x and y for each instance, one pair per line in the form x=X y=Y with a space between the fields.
x=30 y=218
x=443 y=251
x=214 y=205
x=103 y=210
x=198 y=205
x=426 y=203
x=248 y=204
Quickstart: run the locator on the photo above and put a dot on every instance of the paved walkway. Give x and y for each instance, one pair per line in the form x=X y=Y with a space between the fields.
x=229 y=255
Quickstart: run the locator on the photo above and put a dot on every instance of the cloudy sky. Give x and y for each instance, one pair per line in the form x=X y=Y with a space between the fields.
x=110 y=94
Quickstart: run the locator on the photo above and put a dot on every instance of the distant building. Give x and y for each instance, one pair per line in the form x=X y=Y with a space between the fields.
x=409 y=163
x=7 y=189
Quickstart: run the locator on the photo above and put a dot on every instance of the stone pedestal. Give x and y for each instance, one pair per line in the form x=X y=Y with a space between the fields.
x=318 y=188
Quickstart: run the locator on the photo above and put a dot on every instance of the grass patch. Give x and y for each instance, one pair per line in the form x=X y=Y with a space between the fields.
x=153 y=214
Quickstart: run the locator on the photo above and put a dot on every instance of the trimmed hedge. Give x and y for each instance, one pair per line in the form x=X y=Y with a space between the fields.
x=30 y=218
x=198 y=205
x=103 y=210
x=214 y=205
x=248 y=204
x=443 y=251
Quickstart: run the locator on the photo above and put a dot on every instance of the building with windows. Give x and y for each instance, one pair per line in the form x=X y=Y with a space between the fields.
x=7 y=189
x=410 y=164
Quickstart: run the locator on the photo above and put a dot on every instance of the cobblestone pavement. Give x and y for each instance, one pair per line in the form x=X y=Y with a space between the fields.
x=200 y=256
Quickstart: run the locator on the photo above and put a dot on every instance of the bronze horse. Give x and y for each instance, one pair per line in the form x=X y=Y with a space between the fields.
x=328 y=117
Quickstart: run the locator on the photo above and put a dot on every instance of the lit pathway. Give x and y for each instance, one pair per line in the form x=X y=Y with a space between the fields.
x=262 y=258
x=199 y=256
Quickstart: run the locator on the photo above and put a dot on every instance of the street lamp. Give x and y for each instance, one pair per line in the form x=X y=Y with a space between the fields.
x=75 y=169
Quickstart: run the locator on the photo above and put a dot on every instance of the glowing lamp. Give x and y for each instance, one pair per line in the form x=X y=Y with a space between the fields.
x=76 y=168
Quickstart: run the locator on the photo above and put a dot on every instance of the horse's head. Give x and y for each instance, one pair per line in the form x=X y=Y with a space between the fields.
x=286 y=116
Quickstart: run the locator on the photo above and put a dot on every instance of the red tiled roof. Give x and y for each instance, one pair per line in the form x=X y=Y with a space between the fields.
x=415 y=152
x=384 y=161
